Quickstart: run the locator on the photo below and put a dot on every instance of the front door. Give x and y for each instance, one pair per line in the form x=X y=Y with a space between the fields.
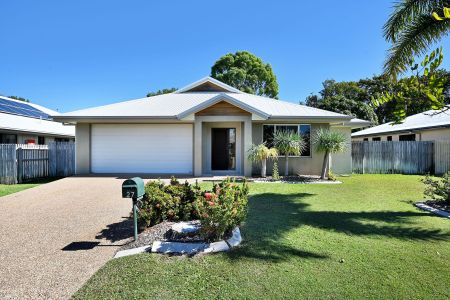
x=223 y=149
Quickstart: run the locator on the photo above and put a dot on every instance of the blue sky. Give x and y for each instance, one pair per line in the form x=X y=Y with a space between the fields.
x=68 y=55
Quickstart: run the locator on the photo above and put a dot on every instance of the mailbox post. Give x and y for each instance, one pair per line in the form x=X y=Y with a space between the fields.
x=133 y=188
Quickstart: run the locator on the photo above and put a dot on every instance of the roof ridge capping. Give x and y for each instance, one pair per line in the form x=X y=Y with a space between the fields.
x=210 y=80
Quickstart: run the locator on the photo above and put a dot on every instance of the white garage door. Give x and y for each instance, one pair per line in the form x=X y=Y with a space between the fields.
x=142 y=148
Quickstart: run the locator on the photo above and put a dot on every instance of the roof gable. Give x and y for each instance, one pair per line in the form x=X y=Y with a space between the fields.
x=208 y=84
x=222 y=108
x=223 y=98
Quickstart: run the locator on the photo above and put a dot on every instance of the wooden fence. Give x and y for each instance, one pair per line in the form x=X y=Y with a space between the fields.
x=61 y=159
x=21 y=163
x=405 y=157
x=8 y=164
x=441 y=157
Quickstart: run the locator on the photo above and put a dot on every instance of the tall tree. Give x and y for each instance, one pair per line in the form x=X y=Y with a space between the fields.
x=246 y=72
x=355 y=97
x=161 y=92
x=425 y=88
x=346 y=97
x=412 y=28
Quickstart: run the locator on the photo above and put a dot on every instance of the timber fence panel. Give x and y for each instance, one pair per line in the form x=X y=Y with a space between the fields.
x=383 y=157
x=441 y=157
x=8 y=164
x=62 y=159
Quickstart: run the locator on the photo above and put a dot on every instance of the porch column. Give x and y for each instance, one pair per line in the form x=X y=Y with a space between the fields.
x=247 y=145
x=198 y=148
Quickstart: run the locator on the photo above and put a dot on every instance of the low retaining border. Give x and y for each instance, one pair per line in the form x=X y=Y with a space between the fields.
x=185 y=248
x=433 y=210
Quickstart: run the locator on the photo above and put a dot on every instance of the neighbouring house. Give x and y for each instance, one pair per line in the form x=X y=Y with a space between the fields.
x=28 y=123
x=202 y=129
x=431 y=125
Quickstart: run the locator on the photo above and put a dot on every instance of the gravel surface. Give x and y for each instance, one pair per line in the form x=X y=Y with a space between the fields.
x=162 y=232
x=147 y=237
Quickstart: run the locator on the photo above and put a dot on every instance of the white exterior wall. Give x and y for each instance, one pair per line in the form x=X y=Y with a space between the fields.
x=83 y=148
x=341 y=163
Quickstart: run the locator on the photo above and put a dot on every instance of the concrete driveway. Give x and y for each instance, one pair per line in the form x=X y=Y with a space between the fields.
x=39 y=225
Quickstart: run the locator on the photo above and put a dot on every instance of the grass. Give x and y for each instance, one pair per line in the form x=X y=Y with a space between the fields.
x=6 y=189
x=360 y=239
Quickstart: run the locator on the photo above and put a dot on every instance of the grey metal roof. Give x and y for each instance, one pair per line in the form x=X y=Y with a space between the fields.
x=428 y=119
x=179 y=104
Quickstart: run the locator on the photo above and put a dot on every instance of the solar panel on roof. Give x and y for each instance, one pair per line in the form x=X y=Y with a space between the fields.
x=22 y=109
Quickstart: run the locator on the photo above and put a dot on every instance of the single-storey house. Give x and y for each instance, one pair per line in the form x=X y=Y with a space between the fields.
x=431 y=125
x=28 y=123
x=202 y=129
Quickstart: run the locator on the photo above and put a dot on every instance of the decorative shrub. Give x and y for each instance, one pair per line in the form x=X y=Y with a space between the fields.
x=174 y=202
x=331 y=176
x=219 y=211
x=222 y=209
x=275 y=173
x=438 y=189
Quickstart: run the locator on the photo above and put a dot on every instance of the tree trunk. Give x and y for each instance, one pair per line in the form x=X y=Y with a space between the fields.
x=325 y=165
x=286 y=165
x=263 y=168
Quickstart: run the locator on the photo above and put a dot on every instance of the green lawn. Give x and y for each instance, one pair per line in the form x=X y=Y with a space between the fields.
x=14 y=188
x=360 y=239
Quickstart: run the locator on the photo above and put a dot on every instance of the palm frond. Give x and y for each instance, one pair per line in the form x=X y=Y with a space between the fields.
x=415 y=39
x=289 y=143
x=404 y=12
x=261 y=152
x=330 y=141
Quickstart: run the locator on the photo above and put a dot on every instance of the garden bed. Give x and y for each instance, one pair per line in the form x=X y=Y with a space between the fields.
x=180 y=218
x=298 y=179
x=439 y=208
x=178 y=239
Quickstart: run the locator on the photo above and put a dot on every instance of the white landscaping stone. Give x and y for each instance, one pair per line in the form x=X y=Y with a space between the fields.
x=186 y=227
x=132 y=251
x=217 y=247
x=186 y=248
x=433 y=210
x=236 y=238
x=176 y=247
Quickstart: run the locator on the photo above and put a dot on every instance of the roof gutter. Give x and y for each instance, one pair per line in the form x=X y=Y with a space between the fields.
x=413 y=130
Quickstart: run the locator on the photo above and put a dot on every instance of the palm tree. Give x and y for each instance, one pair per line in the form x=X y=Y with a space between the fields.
x=329 y=142
x=412 y=28
x=260 y=153
x=288 y=143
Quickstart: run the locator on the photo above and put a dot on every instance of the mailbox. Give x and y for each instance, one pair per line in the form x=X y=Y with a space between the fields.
x=133 y=188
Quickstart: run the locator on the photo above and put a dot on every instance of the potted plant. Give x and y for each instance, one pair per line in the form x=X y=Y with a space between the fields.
x=260 y=153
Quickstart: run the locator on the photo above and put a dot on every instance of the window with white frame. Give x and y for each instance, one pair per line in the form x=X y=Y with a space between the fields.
x=303 y=129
